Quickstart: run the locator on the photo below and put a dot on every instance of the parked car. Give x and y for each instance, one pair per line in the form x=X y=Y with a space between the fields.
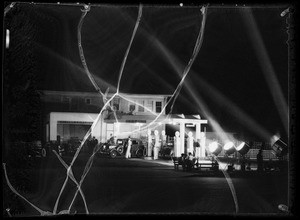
x=119 y=148
x=167 y=151
x=52 y=145
x=36 y=149
x=65 y=148
x=74 y=144
x=69 y=147
x=138 y=148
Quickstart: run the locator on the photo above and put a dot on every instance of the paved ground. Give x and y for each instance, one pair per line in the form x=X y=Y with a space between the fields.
x=138 y=186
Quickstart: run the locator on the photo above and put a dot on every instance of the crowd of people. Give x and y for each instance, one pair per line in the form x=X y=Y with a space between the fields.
x=187 y=161
x=91 y=143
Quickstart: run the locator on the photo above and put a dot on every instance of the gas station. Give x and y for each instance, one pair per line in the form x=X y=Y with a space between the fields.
x=153 y=130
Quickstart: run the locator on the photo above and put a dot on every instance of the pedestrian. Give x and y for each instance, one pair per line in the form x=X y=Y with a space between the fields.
x=128 y=153
x=111 y=140
x=94 y=142
x=259 y=158
x=190 y=161
x=182 y=161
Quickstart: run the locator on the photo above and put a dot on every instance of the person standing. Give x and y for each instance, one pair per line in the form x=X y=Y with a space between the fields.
x=182 y=161
x=111 y=140
x=190 y=161
x=94 y=142
x=128 y=153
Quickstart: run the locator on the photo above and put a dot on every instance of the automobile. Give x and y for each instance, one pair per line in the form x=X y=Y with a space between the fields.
x=36 y=149
x=64 y=148
x=69 y=147
x=166 y=152
x=74 y=144
x=119 y=148
x=138 y=148
x=52 y=145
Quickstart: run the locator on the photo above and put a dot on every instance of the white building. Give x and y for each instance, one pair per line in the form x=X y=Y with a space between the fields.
x=71 y=114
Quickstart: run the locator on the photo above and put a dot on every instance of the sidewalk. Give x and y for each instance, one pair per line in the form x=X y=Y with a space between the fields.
x=159 y=161
x=205 y=172
x=169 y=162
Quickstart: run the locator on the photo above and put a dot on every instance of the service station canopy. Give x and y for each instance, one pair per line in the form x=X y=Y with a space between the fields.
x=171 y=119
x=163 y=119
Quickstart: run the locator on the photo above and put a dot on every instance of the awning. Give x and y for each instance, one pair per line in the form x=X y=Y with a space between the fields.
x=167 y=119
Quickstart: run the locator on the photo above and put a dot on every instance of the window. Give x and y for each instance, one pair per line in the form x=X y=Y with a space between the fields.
x=88 y=101
x=158 y=107
x=131 y=107
x=116 y=104
x=65 y=99
x=141 y=106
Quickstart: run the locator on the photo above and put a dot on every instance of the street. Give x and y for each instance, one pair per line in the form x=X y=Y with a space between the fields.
x=138 y=186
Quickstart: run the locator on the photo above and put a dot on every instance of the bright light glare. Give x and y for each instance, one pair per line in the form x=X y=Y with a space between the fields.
x=228 y=145
x=7 y=38
x=240 y=147
x=274 y=138
x=212 y=147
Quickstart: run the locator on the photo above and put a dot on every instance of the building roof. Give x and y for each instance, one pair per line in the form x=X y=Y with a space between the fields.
x=91 y=93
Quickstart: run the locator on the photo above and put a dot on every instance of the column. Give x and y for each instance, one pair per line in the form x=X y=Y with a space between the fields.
x=202 y=144
x=177 y=150
x=47 y=132
x=53 y=129
x=197 y=138
x=198 y=131
x=156 y=145
x=197 y=149
x=163 y=138
x=97 y=130
x=190 y=143
x=149 y=147
x=182 y=135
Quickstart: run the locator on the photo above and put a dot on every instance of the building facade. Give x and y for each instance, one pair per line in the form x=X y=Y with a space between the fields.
x=71 y=114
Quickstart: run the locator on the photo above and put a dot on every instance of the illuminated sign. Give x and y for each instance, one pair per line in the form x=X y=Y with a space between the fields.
x=135 y=121
x=75 y=122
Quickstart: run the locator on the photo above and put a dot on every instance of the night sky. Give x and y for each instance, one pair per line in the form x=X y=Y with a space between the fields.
x=227 y=69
